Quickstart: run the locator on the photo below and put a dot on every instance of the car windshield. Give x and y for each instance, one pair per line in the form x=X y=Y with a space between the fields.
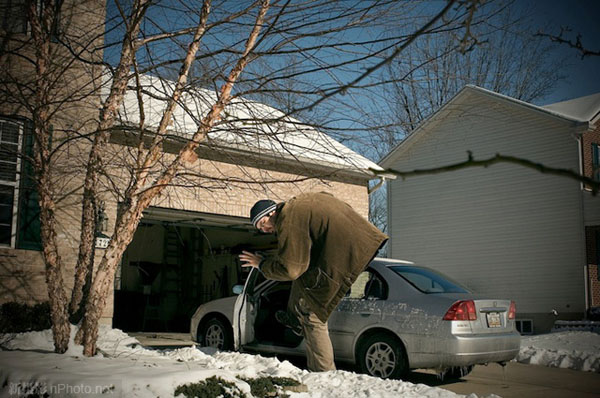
x=427 y=280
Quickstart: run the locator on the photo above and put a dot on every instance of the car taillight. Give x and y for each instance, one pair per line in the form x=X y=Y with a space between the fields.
x=512 y=311
x=463 y=310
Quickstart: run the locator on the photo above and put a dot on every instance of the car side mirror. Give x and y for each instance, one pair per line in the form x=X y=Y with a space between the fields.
x=238 y=289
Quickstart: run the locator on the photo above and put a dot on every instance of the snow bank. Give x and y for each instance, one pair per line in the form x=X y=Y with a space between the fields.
x=572 y=350
x=123 y=368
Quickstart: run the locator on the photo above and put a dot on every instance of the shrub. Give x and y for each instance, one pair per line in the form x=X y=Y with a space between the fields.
x=18 y=317
x=214 y=387
x=210 y=388
x=270 y=386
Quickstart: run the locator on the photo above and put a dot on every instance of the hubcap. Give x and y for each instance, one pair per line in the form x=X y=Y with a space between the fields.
x=215 y=337
x=381 y=360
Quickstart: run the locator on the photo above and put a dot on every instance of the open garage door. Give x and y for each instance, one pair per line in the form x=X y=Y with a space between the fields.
x=177 y=261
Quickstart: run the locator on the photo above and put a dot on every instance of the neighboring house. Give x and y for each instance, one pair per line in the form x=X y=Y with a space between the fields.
x=185 y=250
x=505 y=230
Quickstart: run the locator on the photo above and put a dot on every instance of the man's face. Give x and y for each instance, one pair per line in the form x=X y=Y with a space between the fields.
x=266 y=224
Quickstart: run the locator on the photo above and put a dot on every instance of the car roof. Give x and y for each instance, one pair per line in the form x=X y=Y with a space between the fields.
x=391 y=261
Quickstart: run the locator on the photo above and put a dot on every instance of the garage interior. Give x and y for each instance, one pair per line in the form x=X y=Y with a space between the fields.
x=177 y=261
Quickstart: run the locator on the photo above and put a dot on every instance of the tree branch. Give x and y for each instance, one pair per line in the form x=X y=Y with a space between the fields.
x=386 y=60
x=577 y=44
x=498 y=158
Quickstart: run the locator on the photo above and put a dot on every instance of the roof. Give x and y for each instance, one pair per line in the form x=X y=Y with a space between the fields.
x=463 y=95
x=583 y=108
x=246 y=126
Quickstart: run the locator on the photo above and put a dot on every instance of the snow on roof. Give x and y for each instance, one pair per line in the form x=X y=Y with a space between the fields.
x=246 y=126
x=582 y=108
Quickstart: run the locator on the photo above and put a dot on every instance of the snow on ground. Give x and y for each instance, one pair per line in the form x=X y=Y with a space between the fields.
x=123 y=368
x=573 y=350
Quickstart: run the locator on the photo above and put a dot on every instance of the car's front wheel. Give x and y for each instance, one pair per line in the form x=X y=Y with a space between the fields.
x=216 y=333
x=382 y=355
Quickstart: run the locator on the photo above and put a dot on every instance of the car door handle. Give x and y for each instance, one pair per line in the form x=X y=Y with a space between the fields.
x=365 y=314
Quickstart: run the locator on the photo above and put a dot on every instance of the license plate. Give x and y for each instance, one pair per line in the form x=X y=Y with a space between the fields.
x=493 y=319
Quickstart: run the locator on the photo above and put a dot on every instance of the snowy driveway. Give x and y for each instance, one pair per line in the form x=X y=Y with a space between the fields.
x=517 y=381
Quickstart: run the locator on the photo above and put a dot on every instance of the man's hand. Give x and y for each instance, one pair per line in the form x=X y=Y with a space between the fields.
x=250 y=259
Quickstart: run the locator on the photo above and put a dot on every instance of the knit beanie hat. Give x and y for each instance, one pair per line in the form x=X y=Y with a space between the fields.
x=261 y=209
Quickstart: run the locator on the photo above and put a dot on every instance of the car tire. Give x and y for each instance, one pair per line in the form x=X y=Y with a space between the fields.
x=216 y=333
x=458 y=372
x=382 y=355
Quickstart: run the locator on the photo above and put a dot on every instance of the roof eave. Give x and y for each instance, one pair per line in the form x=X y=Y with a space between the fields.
x=323 y=166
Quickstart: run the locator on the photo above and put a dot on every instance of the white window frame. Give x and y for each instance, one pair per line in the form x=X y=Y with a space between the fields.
x=15 y=184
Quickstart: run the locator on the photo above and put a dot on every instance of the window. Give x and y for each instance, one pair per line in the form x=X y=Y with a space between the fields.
x=427 y=280
x=19 y=208
x=368 y=286
x=28 y=231
x=10 y=145
x=14 y=18
x=596 y=162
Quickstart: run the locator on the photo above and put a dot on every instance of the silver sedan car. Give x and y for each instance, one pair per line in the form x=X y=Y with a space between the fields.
x=396 y=317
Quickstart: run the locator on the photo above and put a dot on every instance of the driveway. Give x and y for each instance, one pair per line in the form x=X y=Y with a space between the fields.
x=518 y=380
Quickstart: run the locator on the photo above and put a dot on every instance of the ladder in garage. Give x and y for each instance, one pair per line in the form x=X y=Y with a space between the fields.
x=171 y=275
x=171 y=282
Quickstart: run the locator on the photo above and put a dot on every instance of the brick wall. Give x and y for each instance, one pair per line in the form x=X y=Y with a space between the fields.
x=591 y=236
x=589 y=138
x=75 y=91
x=594 y=285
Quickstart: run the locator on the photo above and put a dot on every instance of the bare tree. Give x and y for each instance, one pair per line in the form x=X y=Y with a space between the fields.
x=501 y=56
x=313 y=43
x=37 y=72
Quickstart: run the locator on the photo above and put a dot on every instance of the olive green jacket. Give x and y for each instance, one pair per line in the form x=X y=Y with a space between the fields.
x=323 y=245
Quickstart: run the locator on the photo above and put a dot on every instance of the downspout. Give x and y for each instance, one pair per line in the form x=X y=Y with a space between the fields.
x=377 y=186
x=586 y=285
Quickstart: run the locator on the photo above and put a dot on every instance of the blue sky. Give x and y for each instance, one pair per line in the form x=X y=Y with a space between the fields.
x=582 y=16
x=582 y=76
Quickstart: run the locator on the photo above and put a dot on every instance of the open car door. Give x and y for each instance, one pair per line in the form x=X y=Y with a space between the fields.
x=244 y=313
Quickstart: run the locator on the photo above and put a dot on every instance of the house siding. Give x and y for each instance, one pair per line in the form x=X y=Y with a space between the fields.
x=505 y=231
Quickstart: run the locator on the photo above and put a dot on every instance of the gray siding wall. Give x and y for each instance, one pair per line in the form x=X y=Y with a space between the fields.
x=505 y=231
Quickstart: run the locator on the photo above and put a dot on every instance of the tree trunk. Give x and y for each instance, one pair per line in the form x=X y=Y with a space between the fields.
x=104 y=277
x=40 y=25
x=85 y=260
x=61 y=329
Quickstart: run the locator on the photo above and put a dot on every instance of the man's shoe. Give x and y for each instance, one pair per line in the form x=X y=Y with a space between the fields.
x=289 y=321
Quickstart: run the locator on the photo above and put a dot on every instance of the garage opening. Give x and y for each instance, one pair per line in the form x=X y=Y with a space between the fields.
x=177 y=261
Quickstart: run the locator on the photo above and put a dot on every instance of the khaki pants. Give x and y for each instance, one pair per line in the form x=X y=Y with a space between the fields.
x=319 y=351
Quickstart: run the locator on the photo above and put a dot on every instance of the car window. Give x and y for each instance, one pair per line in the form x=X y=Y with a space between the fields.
x=427 y=280
x=368 y=285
